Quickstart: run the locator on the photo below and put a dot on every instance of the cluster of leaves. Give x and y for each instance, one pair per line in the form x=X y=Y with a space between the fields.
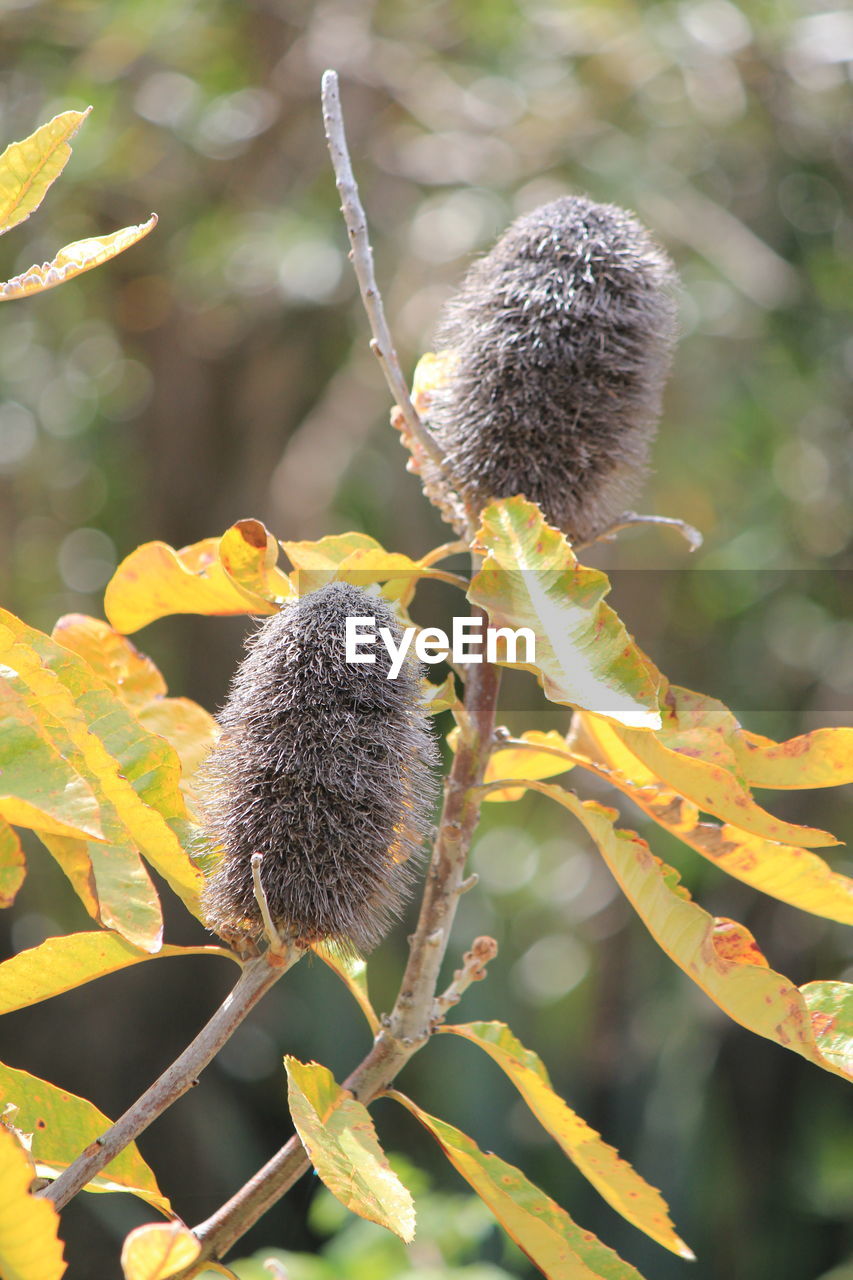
x=99 y=761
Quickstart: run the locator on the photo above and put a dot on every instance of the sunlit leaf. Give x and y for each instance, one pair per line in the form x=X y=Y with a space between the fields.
x=518 y=762
x=29 y=167
x=73 y=260
x=155 y=581
x=721 y=956
x=352 y=970
x=186 y=726
x=62 y=963
x=157 y=1250
x=432 y=372
x=713 y=788
x=62 y=1125
x=248 y=553
x=621 y=1186
x=358 y=558
x=133 y=774
x=117 y=661
x=554 y=1243
x=342 y=1145
x=584 y=655
x=13 y=866
x=327 y=553
x=822 y=758
x=30 y=1248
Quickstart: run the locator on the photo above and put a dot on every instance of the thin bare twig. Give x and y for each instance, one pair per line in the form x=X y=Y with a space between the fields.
x=473 y=970
x=362 y=261
x=691 y=536
x=256 y=979
x=275 y=941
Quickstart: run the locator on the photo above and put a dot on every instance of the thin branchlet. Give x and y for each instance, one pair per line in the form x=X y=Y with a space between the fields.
x=562 y=337
x=324 y=767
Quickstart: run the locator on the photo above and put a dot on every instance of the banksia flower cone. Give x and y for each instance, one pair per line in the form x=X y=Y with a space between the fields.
x=562 y=337
x=324 y=767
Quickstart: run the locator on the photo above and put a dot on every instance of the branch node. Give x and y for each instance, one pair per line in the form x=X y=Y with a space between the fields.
x=468 y=883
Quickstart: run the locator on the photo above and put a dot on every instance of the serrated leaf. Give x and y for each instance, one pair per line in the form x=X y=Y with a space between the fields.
x=342 y=1145
x=155 y=581
x=584 y=655
x=551 y=1239
x=352 y=970
x=13 y=867
x=62 y=1125
x=30 y=1248
x=622 y=1187
x=28 y=168
x=133 y=774
x=62 y=963
x=158 y=1250
x=789 y=873
x=74 y=260
x=719 y=955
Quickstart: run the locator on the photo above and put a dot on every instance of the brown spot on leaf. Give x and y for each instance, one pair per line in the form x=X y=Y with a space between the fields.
x=253 y=532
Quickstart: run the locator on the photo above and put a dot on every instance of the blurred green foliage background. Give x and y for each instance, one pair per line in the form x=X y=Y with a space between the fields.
x=221 y=370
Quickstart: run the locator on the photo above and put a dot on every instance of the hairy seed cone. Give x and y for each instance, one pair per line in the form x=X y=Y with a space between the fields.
x=324 y=767
x=564 y=334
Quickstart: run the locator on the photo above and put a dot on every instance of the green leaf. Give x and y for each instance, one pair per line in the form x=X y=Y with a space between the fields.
x=158 y=1250
x=13 y=866
x=584 y=655
x=621 y=1186
x=62 y=1125
x=352 y=970
x=28 y=168
x=342 y=1145
x=554 y=1243
x=30 y=1248
x=830 y=1005
x=719 y=955
x=60 y=964
x=789 y=873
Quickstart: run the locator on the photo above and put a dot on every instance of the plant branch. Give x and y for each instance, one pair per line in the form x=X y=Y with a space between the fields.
x=691 y=536
x=473 y=969
x=257 y=977
x=362 y=261
x=410 y=1024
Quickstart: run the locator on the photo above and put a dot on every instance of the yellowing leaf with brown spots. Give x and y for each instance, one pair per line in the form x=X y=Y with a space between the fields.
x=342 y=1145
x=62 y=1125
x=30 y=1248
x=791 y=874
x=719 y=955
x=13 y=867
x=551 y=1239
x=157 y=1250
x=519 y=762
x=621 y=1186
x=28 y=168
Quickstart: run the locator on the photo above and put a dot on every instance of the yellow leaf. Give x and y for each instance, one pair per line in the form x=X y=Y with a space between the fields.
x=132 y=675
x=822 y=758
x=248 y=553
x=551 y=1239
x=157 y=1250
x=155 y=581
x=439 y=697
x=29 y=167
x=621 y=1186
x=73 y=260
x=719 y=955
x=712 y=787
x=584 y=656
x=432 y=372
x=787 y=872
x=30 y=1248
x=62 y=1125
x=518 y=762
x=62 y=963
x=342 y=1145
x=12 y=865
